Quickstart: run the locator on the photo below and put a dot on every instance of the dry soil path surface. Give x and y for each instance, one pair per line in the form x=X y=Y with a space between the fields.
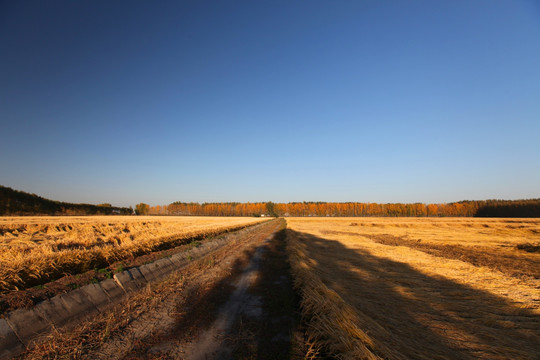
x=234 y=303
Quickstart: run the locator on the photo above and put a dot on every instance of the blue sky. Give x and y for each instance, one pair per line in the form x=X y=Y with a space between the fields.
x=373 y=101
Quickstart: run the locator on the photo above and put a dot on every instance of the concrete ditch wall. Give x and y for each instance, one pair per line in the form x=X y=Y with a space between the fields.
x=23 y=326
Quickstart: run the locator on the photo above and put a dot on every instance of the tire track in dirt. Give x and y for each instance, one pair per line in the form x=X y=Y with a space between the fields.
x=170 y=332
x=211 y=344
x=256 y=319
x=234 y=302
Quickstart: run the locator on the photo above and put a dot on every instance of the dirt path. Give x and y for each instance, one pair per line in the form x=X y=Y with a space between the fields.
x=236 y=302
x=211 y=344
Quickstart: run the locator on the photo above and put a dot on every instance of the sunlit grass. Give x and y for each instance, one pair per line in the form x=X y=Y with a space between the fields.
x=34 y=250
x=369 y=291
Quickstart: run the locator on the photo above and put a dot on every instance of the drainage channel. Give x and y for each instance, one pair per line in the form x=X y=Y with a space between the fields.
x=23 y=326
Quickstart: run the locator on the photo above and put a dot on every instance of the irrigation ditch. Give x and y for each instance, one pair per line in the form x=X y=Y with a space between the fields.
x=23 y=330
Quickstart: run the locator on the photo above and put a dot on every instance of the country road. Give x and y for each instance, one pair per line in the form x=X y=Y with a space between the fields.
x=234 y=302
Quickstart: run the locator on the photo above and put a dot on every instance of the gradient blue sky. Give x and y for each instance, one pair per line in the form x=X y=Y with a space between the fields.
x=379 y=101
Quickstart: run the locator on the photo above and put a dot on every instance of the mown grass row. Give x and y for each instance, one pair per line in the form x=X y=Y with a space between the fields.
x=365 y=298
x=331 y=324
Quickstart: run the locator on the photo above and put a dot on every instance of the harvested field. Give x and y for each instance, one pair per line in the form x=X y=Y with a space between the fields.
x=406 y=288
x=36 y=250
x=171 y=319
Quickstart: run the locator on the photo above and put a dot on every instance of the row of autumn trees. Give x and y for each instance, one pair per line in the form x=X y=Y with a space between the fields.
x=488 y=208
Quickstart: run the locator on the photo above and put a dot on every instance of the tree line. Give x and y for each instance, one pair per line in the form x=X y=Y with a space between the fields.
x=14 y=203
x=468 y=208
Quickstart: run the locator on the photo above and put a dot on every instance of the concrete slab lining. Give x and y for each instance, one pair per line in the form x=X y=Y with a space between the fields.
x=179 y=259
x=149 y=272
x=131 y=279
x=77 y=304
x=22 y=326
x=96 y=294
x=157 y=270
x=54 y=311
x=27 y=324
x=10 y=345
x=113 y=290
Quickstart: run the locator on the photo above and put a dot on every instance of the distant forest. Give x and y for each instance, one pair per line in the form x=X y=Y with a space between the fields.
x=486 y=208
x=14 y=203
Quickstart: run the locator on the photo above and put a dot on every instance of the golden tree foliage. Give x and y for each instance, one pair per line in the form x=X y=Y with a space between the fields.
x=489 y=208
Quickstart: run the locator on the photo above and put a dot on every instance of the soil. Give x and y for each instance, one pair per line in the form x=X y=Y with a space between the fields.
x=236 y=302
x=27 y=298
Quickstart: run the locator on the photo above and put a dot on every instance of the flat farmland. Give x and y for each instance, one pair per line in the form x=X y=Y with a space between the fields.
x=228 y=296
x=418 y=288
x=35 y=250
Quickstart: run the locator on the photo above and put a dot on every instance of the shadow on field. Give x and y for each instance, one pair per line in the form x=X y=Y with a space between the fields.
x=266 y=332
x=417 y=316
x=277 y=329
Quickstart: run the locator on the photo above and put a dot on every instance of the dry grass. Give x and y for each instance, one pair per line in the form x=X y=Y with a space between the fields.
x=34 y=250
x=368 y=292
x=159 y=321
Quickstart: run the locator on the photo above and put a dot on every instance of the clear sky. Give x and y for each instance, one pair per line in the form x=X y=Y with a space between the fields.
x=373 y=101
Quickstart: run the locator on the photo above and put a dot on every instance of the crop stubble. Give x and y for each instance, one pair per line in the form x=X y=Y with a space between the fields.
x=164 y=319
x=419 y=288
x=35 y=250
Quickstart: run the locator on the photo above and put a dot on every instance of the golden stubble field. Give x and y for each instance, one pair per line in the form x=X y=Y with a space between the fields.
x=419 y=288
x=34 y=250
